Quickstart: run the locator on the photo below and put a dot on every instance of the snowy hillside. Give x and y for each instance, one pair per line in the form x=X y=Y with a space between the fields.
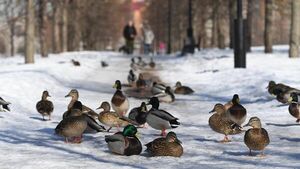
x=28 y=142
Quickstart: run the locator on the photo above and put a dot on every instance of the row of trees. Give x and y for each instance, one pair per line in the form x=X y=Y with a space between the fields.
x=70 y=25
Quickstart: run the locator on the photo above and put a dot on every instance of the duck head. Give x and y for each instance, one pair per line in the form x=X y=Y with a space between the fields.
x=254 y=122
x=168 y=90
x=178 y=84
x=218 y=108
x=73 y=93
x=143 y=107
x=105 y=106
x=293 y=97
x=131 y=72
x=271 y=84
x=139 y=59
x=132 y=60
x=154 y=102
x=129 y=130
x=235 y=99
x=117 y=85
x=172 y=137
x=45 y=95
x=77 y=105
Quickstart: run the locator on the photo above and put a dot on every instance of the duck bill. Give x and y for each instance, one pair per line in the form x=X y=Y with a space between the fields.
x=290 y=99
x=99 y=108
x=115 y=86
x=68 y=95
x=213 y=110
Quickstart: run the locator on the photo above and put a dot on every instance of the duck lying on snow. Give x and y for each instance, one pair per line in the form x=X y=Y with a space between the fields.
x=182 y=89
x=124 y=143
x=167 y=96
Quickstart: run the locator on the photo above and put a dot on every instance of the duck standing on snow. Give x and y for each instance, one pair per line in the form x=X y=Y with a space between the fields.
x=152 y=63
x=256 y=138
x=294 y=107
x=104 y=64
x=119 y=101
x=139 y=114
x=110 y=118
x=124 y=143
x=74 y=126
x=237 y=113
x=44 y=106
x=140 y=62
x=131 y=78
x=160 y=119
x=220 y=123
x=157 y=88
x=168 y=146
x=4 y=105
x=182 y=89
x=74 y=94
x=167 y=96
x=75 y=62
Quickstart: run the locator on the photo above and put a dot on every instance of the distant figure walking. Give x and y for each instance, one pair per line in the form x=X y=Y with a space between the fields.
x=148 y=37
x=129 y=34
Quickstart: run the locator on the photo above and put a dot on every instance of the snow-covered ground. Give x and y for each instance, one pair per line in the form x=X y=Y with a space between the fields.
x=28 y=142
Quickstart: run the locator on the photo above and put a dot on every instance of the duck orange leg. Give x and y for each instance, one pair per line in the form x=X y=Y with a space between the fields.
x=225 y=140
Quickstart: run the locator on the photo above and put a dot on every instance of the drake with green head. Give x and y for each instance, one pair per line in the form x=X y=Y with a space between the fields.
x=4 y=105
x=44 y=106
x=124 y=143
x=165 y=146
x=220 y=123
x=119 y=101
x=160 y=119
x=294 y=107
x=167 y=96
x=110 y=118
x=256 y=138
x=139 y=114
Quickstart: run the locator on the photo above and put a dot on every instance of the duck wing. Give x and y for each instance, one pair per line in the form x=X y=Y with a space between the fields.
x=166 y=116
x=93 y=124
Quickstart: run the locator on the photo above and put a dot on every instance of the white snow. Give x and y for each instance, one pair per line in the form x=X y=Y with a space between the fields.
x=28 y=142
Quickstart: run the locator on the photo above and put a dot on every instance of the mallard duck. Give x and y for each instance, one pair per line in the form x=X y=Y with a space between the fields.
x=124 y=143
x=152 y=63
x=74 y=94
x=283 y=97
x=44 y=106
x=166 y=146
x=119 y=101
x=294 y=107
x=237 y=113
x=131 y=77
x=74 y=126
x=75 y=62
x=75 y=110
x=167 y=96
x=4 y=105
x=256 y=138
x=220 y=123
x=140 y=62
x=160 y=119
x=182 y=89
x=157 y=88
x=141 y=83
x=134 y=65
x=110 y=118
x=139 y=114
x=104 y=64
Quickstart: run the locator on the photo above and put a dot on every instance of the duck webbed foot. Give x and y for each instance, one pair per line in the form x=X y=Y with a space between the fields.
x=225 y=140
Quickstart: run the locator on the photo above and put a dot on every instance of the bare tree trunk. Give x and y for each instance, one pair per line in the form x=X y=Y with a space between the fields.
x=12 y=38
x=64 y=25
x=43 y=28
x=221 y=24
x=268 y=26
x=214 y=37
x=55 y=23
x=250 y=9
x=295 y=30
x=29 y=38
x=74 y=28
x=232 y=14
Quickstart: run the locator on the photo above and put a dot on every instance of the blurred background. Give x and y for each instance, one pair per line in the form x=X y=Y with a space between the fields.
x=74 y=25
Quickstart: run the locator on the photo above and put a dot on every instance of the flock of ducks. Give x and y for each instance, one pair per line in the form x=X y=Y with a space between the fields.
x=226 y=119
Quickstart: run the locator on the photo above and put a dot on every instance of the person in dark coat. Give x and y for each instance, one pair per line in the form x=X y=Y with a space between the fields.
x=129 y=34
